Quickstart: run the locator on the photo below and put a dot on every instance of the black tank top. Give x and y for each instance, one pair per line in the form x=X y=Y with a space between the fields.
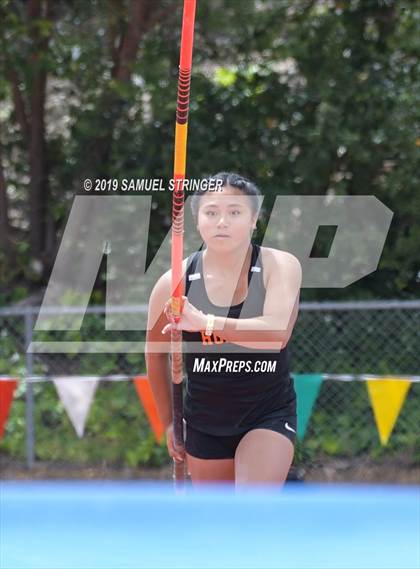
x=231 y=387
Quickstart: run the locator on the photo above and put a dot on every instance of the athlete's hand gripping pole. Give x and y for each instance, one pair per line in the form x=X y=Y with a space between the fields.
x=181 y=129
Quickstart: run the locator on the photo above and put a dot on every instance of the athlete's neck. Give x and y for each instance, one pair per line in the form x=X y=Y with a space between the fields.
x=229 y=262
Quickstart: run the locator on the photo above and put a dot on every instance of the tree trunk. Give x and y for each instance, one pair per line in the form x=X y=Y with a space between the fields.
x=38 y=185
x=141 y=16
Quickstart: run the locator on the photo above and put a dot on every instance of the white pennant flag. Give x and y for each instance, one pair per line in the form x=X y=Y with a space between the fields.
x=76 y=394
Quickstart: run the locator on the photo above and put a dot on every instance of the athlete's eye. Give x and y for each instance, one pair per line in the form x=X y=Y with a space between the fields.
x=210 y=213
x=236 y=212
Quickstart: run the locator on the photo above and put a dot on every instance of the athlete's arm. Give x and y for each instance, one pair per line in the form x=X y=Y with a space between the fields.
x=158 y=348
x=274 y=328
x=157 y=352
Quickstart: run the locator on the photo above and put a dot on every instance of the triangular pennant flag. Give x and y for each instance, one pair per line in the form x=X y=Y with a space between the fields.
x=76 y=394
x=145 y=394
x=7 y=389
x=387 y=397
x=307 y=387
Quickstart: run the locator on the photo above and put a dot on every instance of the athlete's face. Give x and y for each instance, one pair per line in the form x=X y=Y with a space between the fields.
x=225 y=218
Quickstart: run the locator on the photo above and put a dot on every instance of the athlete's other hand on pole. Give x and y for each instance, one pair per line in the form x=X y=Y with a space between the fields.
x=192 y=319
x=177 y=455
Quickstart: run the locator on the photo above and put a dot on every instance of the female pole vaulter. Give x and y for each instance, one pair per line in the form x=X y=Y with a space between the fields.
x=239 y=309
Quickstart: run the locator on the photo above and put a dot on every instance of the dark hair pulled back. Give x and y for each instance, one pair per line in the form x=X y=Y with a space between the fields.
x=241 y=183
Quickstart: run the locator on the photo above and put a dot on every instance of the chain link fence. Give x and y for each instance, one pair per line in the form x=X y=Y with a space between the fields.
x=342 y=341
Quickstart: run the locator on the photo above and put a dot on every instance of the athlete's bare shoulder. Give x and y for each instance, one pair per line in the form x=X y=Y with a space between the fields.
x=275 y=261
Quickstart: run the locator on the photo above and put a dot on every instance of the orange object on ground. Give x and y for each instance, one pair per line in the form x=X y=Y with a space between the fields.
x=145 y=394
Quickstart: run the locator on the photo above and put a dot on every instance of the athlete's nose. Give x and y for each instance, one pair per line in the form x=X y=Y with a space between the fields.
x=221 y=222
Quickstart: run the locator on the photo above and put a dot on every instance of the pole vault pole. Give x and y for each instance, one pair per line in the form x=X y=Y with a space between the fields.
x=180 y=155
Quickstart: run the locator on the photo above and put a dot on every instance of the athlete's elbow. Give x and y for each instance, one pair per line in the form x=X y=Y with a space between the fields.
x=281 y=339
x=273 y=340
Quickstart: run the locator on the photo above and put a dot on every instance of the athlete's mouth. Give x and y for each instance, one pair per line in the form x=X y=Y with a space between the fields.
x=222 y=235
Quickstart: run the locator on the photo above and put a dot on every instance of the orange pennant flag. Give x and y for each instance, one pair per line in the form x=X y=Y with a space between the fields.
x=7 y=389
x=145 y=394
x=387 y=397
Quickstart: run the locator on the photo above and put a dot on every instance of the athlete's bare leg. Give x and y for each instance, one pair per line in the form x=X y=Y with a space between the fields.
x=211 y=470
x=263 y=456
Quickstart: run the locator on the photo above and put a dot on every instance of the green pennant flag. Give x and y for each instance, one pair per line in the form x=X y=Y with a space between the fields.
x=307 y=386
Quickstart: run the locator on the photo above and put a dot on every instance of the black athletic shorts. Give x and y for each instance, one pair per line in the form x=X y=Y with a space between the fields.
x=205 y=445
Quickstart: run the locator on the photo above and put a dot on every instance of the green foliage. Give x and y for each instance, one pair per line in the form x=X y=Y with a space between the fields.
x=117 y=432
x=303 y=97
x=12 y=360
x=342 y=425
